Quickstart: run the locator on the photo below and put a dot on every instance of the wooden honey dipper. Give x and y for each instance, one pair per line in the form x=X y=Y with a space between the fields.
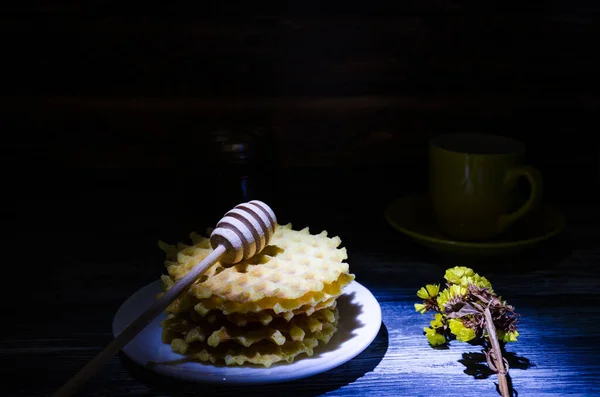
x=242 y=233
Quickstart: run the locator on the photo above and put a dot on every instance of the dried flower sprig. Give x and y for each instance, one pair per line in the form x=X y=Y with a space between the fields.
x=467 y=310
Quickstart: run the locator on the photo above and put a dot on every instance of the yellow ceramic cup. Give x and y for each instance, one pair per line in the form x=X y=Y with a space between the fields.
x=472 y=184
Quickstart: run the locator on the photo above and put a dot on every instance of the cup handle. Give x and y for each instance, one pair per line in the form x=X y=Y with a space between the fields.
x=535 y=180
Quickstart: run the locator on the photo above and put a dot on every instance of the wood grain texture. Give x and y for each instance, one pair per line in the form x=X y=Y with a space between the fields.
x=98 y=243
x=448 y=48
x=355 y=84
x=112 y=132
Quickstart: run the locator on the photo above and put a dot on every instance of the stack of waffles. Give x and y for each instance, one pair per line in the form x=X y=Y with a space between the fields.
x=271 y=308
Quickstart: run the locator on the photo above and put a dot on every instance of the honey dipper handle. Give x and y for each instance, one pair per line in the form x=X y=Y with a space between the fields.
x=69 y=388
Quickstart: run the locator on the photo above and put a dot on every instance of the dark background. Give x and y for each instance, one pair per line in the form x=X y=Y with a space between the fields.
x=130 y=120
x=125 y=124
x=128 y=113
x=355 y=85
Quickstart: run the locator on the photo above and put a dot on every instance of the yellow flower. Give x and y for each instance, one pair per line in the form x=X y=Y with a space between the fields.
x=421 y=308
x=433 y=337
x=429 y=291
x=451 y=292
x=464 y=276
x=462 y=333
x=507 y=336
x=477 y=280
x=483 y=282
x=437 y=321
x=453 y=275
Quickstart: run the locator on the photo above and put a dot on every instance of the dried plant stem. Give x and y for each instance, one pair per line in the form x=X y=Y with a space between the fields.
x=501 y=371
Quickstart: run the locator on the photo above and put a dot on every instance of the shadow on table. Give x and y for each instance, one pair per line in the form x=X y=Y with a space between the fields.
x=315 y=385
x=476 y=366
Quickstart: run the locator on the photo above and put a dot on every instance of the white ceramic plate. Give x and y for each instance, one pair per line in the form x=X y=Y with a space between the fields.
x=359 y=323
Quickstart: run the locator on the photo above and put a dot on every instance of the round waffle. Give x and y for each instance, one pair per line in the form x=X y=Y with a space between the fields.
x=277 y=305
x=296 y=270
x=262 y=345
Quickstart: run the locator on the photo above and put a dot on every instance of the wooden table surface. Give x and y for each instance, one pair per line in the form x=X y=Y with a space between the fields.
x=86 y=242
